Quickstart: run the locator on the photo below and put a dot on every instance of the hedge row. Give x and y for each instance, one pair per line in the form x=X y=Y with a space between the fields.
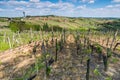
x=22 y=25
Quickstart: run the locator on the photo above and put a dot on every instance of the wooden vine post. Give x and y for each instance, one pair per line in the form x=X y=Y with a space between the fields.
x=107 y=41
x=64 y=34
x=56 y=51
x=34 y=50
x=88 y=69
x=61 y=43
x=52 y=35
x=10 y=45
x=4 y=40
x=44 y=54
x=88 y=61
x=105 y=62
x=76 y=41
x=84 y=41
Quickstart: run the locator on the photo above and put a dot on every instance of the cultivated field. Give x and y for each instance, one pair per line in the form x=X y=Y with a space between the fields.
x=59 y=48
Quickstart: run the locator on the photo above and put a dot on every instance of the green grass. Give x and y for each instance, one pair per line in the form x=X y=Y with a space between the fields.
x=4 y=46
x=108 y=78
x=21 y=38
x=115 y=60
x=0 y=62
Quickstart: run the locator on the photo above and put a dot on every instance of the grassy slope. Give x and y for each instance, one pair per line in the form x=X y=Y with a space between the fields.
x=70 y=23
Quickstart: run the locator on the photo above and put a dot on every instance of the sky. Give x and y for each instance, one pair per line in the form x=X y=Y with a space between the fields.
x=69 y=8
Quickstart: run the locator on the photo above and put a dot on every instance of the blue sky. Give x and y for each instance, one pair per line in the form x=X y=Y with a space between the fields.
x=71 y=8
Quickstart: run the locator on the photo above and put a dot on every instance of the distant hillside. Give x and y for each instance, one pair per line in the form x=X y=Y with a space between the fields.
x=67 y=22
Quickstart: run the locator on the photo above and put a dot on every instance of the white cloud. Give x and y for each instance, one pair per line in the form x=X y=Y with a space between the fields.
x=15 y=8
x=14 y=3
x=1 y=9
x=113 y=6
x=91 y=1
x=34 y=1
x=109 y=6
x=81 y=7
x=99 y=12
x=88 y=1
x=116 y=1
x=19 y=9
x=61 y=6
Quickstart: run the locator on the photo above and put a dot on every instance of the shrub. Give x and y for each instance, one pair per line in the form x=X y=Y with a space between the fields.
x=22 y=25
x=17 y=26
x=54 y=27
x=45 y=27
x=37 y=27
x=57 y=28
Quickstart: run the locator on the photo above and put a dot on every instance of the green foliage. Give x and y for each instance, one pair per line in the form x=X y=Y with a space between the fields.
x=36 y=27
x=83 y=29
x=57 y=28
x=17 y=26
x=110 y=25
x=27 y=74
x=53 y=28
x=47 y=55
x=45 y=27
x=108 y=78
x=99 y=49
x=48 y=70
x=76 y=36
x=87 y=51
x=21 y=26
x=39 y=64
x=0 y=62
x=115 y=60
x=87 y=57
x=96 y=72
x=4 y=46
x=58 y=47
x=109 y=52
